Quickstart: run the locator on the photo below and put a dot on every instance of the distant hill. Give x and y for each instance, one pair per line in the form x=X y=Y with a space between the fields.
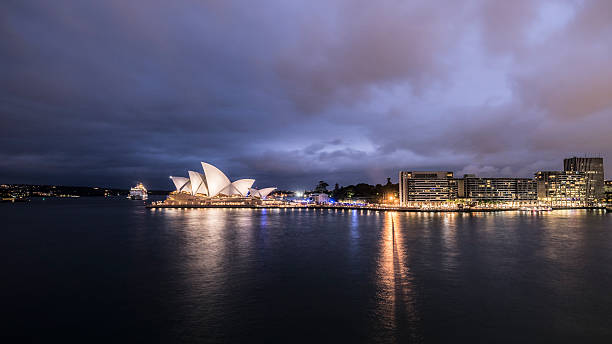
x=28 y=190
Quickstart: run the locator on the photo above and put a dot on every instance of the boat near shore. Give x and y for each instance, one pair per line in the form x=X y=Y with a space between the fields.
x=535 y=209
x=138 y=192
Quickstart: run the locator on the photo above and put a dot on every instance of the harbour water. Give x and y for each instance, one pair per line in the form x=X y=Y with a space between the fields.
x=100 y=269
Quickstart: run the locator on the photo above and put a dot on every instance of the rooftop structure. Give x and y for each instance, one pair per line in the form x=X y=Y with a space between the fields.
x=182 y=184
x=214 y=183
x=263 y=193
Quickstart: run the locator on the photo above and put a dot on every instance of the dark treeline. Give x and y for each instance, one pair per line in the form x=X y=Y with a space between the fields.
x=361 y=191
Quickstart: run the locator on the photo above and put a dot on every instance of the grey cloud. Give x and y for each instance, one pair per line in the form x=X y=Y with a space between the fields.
x=368 y=43
x=293 y=92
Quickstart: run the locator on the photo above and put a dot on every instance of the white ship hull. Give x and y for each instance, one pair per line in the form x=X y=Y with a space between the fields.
x=138 y=197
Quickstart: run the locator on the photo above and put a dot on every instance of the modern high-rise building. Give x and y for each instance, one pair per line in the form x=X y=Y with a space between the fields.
x=594 y=170
x=562 y=187
x=497 y=189
x=426 y=186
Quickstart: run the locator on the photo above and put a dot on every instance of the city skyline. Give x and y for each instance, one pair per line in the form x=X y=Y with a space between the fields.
x=290 y=93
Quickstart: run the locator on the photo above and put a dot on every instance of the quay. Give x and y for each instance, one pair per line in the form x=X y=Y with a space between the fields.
x=346 y=207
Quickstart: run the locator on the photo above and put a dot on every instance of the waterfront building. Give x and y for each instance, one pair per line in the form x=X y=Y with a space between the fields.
x=214 y=186
x=320 y=198
x=426 y=186
x=562 y=188
x=497 y=189
x=594 y=170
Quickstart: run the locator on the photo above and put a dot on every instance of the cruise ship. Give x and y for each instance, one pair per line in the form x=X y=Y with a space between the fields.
x=138 y=192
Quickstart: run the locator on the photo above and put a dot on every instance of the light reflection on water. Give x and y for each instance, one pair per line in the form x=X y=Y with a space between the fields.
x=395 y=297
x=458 y=253
x=236 y=275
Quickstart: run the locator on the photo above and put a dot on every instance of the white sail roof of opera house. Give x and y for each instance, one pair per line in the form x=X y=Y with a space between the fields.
x=198 y=186
x=215 y=179
x=240 y=187
x=263 y=193
x=181 y=183
x=214 y=182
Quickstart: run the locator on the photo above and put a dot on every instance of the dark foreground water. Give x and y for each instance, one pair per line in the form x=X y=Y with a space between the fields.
x=110 y=270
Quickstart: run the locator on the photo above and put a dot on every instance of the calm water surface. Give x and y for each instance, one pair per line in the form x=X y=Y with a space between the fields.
x=110 y=270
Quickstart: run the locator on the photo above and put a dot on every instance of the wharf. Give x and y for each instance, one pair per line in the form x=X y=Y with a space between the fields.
x=14 y=199
x=347 y=207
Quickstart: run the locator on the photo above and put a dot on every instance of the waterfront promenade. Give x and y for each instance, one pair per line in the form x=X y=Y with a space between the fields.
x=374 y=207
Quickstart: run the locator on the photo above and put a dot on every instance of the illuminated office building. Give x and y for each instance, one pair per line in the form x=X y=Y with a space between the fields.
x=594 y=171
x=426 y=186
x=562 y=187
x=497 y=189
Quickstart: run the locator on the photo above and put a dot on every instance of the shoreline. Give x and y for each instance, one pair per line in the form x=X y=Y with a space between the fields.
x=397 y=209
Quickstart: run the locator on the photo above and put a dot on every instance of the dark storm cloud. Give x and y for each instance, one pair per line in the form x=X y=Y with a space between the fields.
x=296 y=91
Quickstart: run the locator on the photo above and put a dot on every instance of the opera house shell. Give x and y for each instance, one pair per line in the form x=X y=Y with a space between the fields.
x=214 y=183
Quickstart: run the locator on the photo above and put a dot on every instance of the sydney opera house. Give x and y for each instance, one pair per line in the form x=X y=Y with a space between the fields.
x=213 y=187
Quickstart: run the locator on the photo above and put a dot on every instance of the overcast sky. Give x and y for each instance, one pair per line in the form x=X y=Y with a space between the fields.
x=290 y=92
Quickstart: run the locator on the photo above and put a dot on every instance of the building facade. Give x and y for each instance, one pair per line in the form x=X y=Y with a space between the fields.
x=320 y=198
x=594 y=170
x=497 y=189
x=562 y=187
x=426 y=186
x=214 y=183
